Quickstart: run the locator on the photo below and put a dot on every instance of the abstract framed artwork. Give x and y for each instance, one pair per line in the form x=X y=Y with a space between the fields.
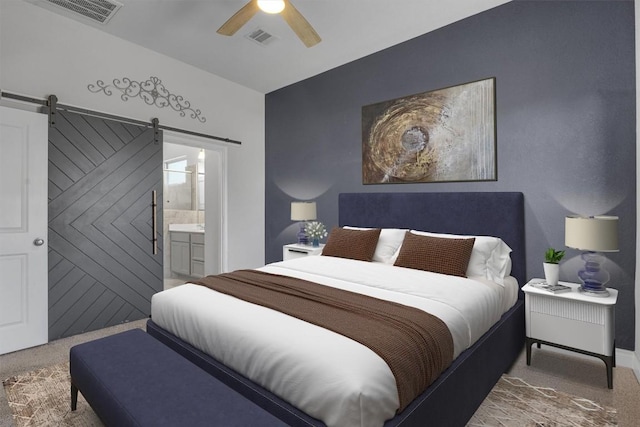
x=443 y=135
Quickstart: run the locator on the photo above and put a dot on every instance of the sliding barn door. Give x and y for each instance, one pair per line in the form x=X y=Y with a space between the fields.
x=102 y=269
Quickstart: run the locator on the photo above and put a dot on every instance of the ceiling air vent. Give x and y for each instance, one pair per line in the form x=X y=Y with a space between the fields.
x=97 y=10
x=261 y=37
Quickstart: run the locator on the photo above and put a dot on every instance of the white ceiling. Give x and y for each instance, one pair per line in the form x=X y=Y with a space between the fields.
x=350 y=29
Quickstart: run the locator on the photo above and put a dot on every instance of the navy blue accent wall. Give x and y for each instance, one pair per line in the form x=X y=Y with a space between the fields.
x=565 y=97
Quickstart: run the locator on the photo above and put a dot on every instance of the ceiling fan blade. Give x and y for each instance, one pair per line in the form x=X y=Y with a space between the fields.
x=240 y=18
x=300 y=25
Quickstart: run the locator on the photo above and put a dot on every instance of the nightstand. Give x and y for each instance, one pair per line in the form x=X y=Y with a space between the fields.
x=572 y=321
x=296 y=250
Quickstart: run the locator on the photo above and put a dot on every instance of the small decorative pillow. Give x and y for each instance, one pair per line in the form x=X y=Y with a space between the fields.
x=490 y=256
x=389 y=242
x=354 y=244
x=435 y=254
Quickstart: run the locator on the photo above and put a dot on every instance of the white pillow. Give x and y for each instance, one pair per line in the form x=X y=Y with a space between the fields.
x=489 y=257
x=389 y=242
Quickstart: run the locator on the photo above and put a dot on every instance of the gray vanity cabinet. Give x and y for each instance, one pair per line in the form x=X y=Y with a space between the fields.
x=181 y=253
x=187 y=253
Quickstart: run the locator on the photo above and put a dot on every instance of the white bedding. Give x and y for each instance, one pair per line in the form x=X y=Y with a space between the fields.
x=326 y=375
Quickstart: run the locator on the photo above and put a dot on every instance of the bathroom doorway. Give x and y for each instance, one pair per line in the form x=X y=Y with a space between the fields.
x=194 y=195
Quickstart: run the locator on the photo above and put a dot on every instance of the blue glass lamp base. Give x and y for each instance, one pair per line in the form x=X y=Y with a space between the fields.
x=593 y=276
x=603 y=293
x=303 y=239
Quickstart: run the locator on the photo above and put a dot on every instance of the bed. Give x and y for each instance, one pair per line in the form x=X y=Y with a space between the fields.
x=457 y=392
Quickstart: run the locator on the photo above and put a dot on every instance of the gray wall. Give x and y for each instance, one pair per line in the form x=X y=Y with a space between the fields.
x=565 y=87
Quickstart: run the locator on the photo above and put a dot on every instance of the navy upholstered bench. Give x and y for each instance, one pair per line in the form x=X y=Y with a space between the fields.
x=132 y=379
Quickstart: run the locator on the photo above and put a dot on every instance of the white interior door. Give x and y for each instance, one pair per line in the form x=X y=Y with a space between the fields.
x=23 y=229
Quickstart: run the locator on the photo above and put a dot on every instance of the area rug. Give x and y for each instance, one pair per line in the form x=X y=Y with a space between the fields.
x=514 y=402
x=42 y=398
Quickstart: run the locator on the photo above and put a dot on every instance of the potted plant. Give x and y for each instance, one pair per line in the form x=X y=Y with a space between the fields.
x=551 y=265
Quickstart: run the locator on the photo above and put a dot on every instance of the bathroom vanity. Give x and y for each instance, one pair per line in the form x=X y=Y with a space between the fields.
x=187 y=249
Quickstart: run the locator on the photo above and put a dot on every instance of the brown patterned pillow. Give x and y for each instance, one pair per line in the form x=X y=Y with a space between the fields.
x=354 y=244
x=439 y=255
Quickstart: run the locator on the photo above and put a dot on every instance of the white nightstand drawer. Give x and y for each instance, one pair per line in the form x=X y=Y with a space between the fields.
x=585 y=323
x=296 y=250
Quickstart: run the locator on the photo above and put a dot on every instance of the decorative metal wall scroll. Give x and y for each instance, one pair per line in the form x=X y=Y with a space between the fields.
x=151 y=91
x=444 y=135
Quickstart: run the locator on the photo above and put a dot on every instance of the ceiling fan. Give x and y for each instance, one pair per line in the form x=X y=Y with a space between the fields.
x=291 y=15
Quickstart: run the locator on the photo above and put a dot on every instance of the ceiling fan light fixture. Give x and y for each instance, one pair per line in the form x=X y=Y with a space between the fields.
x=271 y=6
x=290 y=14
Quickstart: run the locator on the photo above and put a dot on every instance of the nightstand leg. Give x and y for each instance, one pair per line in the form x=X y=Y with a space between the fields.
x=611 y=363
x=613 y=353
x=528 y=343
x=608 y=361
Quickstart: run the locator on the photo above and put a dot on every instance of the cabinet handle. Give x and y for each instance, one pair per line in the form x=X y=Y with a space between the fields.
x=154 y=208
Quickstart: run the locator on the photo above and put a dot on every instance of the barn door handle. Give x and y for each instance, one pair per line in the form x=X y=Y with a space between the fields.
x=154 y=211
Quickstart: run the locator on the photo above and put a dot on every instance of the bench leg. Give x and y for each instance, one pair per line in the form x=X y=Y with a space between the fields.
x=74 y=397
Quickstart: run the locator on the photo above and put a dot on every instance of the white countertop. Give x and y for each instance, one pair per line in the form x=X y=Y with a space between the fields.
x=187 y=228
x=575 y=294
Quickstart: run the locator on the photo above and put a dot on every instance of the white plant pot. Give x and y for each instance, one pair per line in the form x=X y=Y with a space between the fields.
x=551 y=273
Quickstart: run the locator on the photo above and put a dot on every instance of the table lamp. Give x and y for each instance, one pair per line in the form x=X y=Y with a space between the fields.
x=303 y=211
x=593 y=235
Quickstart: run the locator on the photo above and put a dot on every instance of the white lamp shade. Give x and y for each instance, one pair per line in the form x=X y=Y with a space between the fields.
x=596 y=233
x=303 y=211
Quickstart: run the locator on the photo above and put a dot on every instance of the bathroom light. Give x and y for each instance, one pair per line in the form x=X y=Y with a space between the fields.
x=271 y=6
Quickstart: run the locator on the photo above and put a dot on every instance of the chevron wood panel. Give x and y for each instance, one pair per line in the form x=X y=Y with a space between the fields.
x=102 y=271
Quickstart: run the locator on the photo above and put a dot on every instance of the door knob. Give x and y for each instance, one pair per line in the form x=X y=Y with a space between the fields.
x=38 y=242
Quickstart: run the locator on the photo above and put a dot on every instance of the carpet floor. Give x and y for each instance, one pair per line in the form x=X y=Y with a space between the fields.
x=42 y=398
x=564 y=373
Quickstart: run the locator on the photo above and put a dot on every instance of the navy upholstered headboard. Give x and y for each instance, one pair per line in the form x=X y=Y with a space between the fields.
x=489 y=214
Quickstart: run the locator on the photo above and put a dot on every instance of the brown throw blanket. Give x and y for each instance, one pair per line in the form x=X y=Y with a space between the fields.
x=416 y=345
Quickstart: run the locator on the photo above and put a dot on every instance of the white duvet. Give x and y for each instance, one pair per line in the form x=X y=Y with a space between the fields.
x=328 y=376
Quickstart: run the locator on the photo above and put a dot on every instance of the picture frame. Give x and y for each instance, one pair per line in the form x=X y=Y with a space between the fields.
x=444 y=135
